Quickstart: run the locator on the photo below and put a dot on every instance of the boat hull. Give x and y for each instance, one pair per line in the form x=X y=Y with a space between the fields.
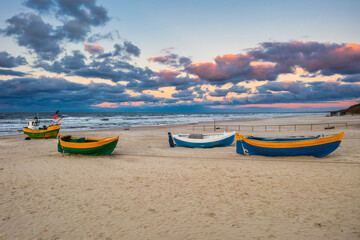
x=50 y=132
x=317 y=147
x=202 y=144
x=94 y=148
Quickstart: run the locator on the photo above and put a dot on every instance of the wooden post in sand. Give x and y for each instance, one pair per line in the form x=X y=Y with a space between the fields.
x=214 y=125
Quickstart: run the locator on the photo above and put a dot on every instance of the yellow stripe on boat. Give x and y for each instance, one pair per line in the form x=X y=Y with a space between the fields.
x=98 y=143
x=50 y=128
x=293 y=144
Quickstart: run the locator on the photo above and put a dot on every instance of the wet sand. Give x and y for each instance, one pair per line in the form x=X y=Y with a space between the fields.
x=147 y=190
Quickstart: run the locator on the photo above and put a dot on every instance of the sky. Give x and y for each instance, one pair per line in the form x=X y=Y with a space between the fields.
x=179 y=56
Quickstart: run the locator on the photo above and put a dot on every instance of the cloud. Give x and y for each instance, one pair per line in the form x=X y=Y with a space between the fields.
x=106 y=105
x=312 y=56
x=30 y=31
x=77 y=18
x=351 y=78
x=224 y=92
x=66 y=64
x=230 y=66
x=131 y=49
x=300 y=92
x=125 y=51
x=47 y=93
x=184 y=95
x=11 y=73
x=77 y=15
x=8 y=61
x=294 y=87
x=168 y=74
x=109 y=36
x=40 y=5
x=93 y=49
x=273 y=58
x=171 y=59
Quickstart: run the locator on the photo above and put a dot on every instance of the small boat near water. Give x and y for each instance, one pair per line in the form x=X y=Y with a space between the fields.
x=33 y=130
x=204 y=140
x=87 y=146
x=317 y=146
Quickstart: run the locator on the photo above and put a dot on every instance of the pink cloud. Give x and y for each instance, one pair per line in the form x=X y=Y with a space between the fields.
x=106 y=105
x=163 y=59
x=93 y=49
x=168 y=74
x=229 y=66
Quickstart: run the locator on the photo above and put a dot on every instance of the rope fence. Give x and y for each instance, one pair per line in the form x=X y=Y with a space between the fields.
x=270 y=128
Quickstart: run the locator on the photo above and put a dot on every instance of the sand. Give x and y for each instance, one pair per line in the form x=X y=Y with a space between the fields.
x=147 y=190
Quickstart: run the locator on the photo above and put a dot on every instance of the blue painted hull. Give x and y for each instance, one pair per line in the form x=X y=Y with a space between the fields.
x=221 y=143
x=316 y=151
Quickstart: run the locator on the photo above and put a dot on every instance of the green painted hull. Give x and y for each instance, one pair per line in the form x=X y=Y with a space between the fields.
x=105 y=149
x=49 y=134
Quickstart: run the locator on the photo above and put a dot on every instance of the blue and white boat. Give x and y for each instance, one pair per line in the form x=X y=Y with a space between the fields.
x=204 y=140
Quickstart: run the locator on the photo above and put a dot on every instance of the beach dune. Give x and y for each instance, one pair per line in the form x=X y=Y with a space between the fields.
x=147 y=190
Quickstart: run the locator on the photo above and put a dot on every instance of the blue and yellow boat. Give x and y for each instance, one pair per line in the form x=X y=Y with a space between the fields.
x=318 y=146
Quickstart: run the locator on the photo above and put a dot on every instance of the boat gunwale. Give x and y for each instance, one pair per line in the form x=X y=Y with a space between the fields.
x=194 y=140
x=49 y=128
x=291 y=144
x=78 y=145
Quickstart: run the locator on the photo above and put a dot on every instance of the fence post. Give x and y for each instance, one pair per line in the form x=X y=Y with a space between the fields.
x=239 y=128
x=311 y=127
x=252 y=128
x=193 y=127
x=265 y=128
x=295 y=127
x=279 y=128
x=204 y=127
x=226 y=128
x=346 y=125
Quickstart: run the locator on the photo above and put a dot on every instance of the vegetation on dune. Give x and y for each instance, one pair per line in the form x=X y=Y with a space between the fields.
x=353 y=109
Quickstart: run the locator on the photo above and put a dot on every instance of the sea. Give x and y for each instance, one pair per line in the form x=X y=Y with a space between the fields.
x=11 y=123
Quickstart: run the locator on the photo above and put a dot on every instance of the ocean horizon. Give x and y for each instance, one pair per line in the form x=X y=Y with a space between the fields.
x=11 y=123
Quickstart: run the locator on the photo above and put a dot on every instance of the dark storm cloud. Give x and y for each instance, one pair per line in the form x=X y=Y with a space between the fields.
x=40 y=5
x=351 y=78
x=224 y=92
x=126 y=50
x=8 y=61
x=131 y=49
x=52 y=92
x=9 y=72
x=115 y=71
x=66 y=64
x=44 y=39
x=298 y=92
x=292 y=87
x=185 y=95
x=32 y=32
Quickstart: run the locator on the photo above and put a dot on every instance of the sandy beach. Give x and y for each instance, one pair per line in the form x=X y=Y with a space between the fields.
x=147 y=190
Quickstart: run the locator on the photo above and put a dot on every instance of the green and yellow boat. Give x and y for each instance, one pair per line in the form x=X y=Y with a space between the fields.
x=86 y=146
x=45 y=132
